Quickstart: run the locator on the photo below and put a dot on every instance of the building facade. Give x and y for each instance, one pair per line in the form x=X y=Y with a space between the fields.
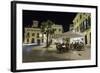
x=82 y=24
x=58 y=29
x=71 y=27
x=32 y=35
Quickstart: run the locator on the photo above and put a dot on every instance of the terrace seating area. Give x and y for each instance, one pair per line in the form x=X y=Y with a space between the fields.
x=66 y=47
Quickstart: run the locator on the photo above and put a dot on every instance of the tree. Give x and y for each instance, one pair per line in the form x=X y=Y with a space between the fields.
x=46 y=28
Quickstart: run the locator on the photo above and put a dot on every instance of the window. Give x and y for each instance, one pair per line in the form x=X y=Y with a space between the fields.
x=81 y=27
x=85 y=39
x=38 y=41
x=27 y=34
x=42 y=40
x=78 y=29
x=90 y=38
x=37 y=35
x=80 y=16
x=87 y=24
x=84 y=24
x=33 y=34
x=33 y=41
x=55 y=29
x=77 y=20
x=27 y=40
x=89 y=21
x=59 y=30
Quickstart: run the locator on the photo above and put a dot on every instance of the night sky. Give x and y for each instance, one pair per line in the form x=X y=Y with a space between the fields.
x=61 y=18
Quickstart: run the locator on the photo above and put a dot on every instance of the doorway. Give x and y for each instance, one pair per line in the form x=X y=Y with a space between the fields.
x=38 y=41
x=85 y=39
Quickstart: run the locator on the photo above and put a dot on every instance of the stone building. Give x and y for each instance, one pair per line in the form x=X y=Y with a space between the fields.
x=33 y=34
x=82 y=24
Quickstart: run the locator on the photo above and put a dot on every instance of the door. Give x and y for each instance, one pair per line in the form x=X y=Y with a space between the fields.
x=85 y=39
x=33 y=41
x=38 y=41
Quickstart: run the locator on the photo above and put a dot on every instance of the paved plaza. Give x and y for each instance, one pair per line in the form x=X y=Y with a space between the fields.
x=41 y=54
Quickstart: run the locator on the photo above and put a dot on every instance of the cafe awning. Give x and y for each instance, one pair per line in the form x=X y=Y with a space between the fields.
x=69 y=34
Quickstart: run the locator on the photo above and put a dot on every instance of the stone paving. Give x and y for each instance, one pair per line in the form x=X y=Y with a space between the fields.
x=41 y=54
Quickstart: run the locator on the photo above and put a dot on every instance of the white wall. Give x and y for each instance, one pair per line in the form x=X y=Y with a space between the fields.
x=5 y=36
